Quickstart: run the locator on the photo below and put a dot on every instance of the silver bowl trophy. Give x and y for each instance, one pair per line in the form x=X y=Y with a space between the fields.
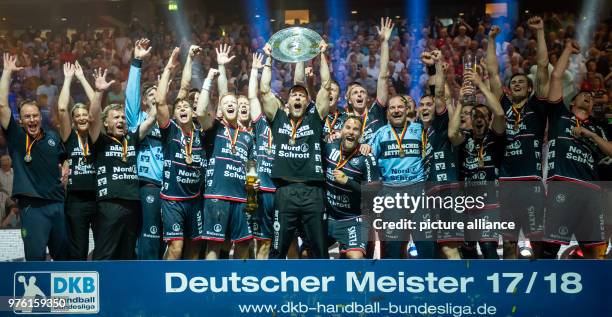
x=295 y=44
x=469 y=63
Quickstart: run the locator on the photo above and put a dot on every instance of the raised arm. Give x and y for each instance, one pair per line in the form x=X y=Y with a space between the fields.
x=493 y=64
x=10 y=66
x=322 y=102
x=270 y=102
x=454 y=124
x=254 y=101
x=604 y=145
x=63 y=109
x=95 y=109
x=542 y=78
x=384 y=33
x=310 y=80
x=194 y=50
x=439 y=81
x=164 y=82
x=149 y=122
x=222 y=59
x=299 y=76
x=80 y=75
x=555 y=92
x=142 y=50
x=498 y=122
x=204 y=110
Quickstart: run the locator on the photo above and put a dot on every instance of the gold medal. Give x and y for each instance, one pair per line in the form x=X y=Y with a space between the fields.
x=124 y=147
x=27 y=158
x=480 y=162
x=294 y=127
x=233 y=139
x=342 y=161
x=269 y=151
x=400 y=138
x=189 y=146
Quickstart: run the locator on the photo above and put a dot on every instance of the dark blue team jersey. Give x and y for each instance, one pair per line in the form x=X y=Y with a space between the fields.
x=441 y=156
x=182 y=180
x=375 y=119
x=265 y=153
x=491 y=156
x=524 y=137
x=572 y=158
x=344 y=201
x=333 y=122
x=41 y=177
x=226 y=171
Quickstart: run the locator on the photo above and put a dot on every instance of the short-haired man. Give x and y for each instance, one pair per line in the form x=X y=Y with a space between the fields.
x=37 y=157
x=150 y=157
x=298 y=171
x=482 y=149
x=520 y=175
x=576 y=145
x=115 y=151
x=346 y=170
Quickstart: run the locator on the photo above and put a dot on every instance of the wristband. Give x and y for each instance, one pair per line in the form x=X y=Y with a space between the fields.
x=207 y=83
x=137 y=62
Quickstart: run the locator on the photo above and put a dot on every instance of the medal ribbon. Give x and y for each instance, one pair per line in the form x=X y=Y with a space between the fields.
x=331 y=125
x=365 y=120
x=481 y=152
x=124 y=146
x=189 y=145
x=233 y=139
x=518 y=109
x=399 y=139
x=29 y=145
x=294 y=127
x=424 y=140
x=83 y=146
x=342 y=162
x=269 y=139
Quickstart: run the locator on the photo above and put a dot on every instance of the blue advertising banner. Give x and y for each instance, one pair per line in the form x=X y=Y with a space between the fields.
x=308 y=288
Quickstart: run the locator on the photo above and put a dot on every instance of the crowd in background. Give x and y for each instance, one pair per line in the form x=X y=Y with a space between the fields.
x=354 y=56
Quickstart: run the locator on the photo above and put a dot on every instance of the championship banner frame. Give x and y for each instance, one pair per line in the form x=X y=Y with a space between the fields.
x=308 y=288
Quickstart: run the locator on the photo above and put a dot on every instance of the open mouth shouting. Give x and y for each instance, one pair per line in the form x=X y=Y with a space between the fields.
x=480 y=126
x=33 y=128
x=82 y=124
x=120 y=128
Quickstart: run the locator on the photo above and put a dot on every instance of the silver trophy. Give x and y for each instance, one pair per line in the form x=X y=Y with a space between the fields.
x=295 y=44
x=469 y=63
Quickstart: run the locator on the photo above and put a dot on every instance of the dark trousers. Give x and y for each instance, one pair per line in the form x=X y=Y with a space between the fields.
x=116 y=229
x=80 y=212
x=150 y=243
x=299 y=205
x=43 y=224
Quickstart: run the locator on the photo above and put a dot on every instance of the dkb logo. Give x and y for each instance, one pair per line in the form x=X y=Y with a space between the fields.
x=79 y=291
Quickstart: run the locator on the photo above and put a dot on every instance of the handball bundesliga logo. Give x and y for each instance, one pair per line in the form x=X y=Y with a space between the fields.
x=56 y=292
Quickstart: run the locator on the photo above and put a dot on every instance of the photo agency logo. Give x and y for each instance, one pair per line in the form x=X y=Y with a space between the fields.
x=56 y=292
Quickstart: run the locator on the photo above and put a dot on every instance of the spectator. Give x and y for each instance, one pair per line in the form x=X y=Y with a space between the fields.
x=47 y=92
